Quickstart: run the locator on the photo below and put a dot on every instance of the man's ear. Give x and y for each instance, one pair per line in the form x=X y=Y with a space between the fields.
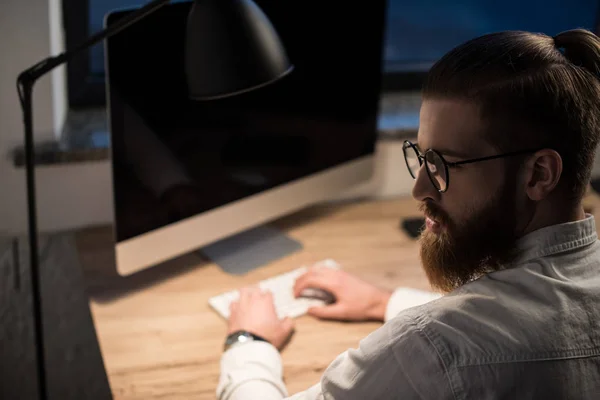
x=542 y=173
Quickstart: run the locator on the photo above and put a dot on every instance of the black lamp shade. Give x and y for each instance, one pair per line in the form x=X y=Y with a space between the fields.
x=231 y=47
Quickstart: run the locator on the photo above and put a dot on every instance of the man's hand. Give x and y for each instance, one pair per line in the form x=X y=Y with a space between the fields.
x=356 y=300
x=255 y=312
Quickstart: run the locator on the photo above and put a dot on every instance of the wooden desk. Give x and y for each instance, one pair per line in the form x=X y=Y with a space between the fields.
x=161 y=340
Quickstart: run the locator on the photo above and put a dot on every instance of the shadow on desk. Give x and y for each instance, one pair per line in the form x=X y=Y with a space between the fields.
x=104 y=284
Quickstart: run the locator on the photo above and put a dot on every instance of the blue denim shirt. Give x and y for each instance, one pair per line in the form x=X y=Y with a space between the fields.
x=530 y=331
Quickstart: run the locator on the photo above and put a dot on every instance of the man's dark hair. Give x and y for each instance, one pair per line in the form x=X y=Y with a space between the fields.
x=532 y=91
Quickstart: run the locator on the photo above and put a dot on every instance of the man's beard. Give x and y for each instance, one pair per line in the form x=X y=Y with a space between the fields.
x=466 y=250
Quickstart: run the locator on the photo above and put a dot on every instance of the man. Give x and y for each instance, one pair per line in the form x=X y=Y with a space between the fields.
x=508 y=130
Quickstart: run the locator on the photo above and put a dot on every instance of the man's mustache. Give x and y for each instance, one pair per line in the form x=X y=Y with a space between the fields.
x=431 y=210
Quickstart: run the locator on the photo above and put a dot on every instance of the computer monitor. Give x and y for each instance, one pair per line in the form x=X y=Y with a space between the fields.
x=189 y=174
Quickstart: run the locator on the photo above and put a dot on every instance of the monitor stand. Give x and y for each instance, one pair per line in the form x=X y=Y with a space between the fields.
x=251 y=249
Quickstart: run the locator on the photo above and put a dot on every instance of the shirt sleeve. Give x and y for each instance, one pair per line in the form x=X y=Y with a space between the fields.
x=404 y=298
x=251 y=371
x=396 y=361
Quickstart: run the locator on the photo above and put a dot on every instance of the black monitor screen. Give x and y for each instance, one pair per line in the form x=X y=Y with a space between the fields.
x=174 y=158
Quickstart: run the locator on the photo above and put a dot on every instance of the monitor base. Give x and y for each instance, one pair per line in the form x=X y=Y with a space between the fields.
x=251 y=249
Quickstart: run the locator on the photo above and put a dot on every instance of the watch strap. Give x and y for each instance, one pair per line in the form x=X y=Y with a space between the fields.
x=242 y=336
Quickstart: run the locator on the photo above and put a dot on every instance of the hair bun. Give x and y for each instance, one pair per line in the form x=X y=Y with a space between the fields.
x=581 y=47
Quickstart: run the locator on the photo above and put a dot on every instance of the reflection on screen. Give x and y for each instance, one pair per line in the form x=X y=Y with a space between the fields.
x=174 y=158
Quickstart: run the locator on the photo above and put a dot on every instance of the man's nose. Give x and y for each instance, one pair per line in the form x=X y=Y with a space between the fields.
x=423 y=187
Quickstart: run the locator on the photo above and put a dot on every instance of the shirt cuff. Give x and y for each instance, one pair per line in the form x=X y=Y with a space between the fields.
x=253 y=361
x=404 y=298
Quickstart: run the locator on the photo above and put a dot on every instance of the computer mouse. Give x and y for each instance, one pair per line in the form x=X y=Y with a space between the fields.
x=318 y=294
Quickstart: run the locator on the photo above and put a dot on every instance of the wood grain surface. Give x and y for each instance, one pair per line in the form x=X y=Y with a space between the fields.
x=161 y=340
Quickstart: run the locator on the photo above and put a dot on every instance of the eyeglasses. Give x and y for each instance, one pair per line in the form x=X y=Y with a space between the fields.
x=437 y=167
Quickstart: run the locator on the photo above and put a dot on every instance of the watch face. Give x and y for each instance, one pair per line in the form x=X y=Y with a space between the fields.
x=238 y=337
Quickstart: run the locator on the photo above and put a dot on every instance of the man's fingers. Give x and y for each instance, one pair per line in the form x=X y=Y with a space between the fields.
x=319 y=277
x=315 y=279
x=327 y=312
x=254 y=296
x=288 y=324
x=264 y=295
x=248 y=292
x=306 y=281
x=234 y=306
x=268 y=297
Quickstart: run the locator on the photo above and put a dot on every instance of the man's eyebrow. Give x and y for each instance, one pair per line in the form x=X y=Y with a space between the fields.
x=447 y=152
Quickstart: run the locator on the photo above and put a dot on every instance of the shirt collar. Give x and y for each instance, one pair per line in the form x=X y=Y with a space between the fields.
x=556 y=239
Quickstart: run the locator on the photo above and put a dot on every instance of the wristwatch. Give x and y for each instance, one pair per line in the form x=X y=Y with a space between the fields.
x=240 y=337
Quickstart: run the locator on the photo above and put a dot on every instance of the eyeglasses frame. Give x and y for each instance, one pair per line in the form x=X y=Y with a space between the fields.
x=447 y=164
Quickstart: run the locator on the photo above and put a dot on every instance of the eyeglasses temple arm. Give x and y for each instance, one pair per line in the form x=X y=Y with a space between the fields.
x=514 y=153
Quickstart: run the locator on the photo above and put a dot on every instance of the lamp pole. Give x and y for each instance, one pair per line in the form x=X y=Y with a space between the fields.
x=238 y=26
x=25 y=83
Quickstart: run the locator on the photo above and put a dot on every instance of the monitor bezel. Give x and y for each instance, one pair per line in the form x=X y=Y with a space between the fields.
x=156 y=246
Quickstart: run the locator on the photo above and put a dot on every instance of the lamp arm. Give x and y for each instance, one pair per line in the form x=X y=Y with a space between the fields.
x=41 y=68
x=25 y=82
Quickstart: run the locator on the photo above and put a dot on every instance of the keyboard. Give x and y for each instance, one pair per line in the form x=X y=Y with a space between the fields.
x=286 y=305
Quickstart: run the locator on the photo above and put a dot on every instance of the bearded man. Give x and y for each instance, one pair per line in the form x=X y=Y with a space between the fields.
x=509 y=126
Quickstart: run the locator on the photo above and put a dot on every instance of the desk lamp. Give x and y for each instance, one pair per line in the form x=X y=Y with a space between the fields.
x=231 y=47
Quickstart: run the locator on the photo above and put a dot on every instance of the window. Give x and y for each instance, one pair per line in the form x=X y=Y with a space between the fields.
x=418 y=33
